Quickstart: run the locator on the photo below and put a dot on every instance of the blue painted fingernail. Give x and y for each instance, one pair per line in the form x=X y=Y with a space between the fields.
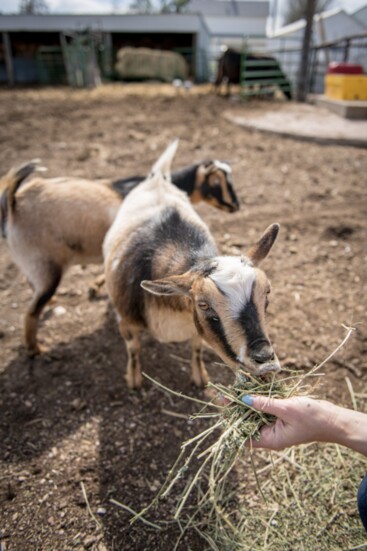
x=248 y=400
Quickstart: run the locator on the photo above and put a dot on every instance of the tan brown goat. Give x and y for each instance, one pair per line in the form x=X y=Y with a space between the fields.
x=163 y=273
x=52 y=223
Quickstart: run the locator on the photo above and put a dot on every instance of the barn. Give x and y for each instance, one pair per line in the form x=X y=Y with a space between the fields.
x=32 y=47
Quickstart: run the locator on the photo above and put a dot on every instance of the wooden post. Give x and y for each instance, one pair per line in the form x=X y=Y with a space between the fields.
x=323 y=39
x=346 y=50
x=64 y=49
x=107 y=56
x=305 y=53
x=8 y=58
x=274 y=15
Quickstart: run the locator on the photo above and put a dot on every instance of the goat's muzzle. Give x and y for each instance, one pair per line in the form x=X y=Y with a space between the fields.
x=263 y=362
x=231 y=207
x=263 y=354
x=272 y=366
x=264 y=359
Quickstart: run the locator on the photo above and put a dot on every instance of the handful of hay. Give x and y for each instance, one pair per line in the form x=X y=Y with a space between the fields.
x=234 y=425
x=207 y=460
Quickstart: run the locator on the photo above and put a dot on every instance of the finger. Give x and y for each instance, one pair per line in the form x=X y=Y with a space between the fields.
x=268 y=439
x=262 y=440
x=273 y=406
x=221 y=400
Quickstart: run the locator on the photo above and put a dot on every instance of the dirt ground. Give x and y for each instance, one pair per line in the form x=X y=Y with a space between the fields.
x=68 y=422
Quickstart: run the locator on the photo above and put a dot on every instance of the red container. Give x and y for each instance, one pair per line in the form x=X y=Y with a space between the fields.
x=345 y=68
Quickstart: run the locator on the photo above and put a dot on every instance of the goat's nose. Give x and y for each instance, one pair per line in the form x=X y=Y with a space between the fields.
x=265 y=354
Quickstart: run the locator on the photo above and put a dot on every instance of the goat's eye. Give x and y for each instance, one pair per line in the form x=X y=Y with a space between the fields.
x=204 y=305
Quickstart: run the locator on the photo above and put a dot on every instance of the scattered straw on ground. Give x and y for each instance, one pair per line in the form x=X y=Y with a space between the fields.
x=301 y=499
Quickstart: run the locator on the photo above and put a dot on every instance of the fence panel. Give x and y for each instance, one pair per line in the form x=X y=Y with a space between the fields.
x=262 y=76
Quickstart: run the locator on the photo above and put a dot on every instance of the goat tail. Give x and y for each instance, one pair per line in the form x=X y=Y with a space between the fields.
x=163 y=165
x=14 y=178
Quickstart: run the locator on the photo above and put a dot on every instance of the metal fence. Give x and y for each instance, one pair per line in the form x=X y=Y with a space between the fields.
x=262 y=76
x=287 y=52
x=83 y=58
x=50 y=66
x=351 y=49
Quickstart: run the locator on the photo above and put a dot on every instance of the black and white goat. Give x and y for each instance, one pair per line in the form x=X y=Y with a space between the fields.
x=163 y=273
x=209 y=181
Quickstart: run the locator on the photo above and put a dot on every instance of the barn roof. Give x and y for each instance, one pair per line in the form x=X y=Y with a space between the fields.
x=361 y=15
x=299 y=25
x=174 y=23
x=229 y=8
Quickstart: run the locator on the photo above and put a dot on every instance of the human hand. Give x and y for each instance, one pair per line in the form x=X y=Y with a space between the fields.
x=299 y=420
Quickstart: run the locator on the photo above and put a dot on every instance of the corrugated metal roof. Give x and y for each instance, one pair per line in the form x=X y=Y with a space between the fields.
x=173 y=23
x=361 y=15
x=328 y=27
x=301 y=23
x=224 y=8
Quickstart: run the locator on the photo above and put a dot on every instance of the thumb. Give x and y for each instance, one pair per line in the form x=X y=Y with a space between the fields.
x=273 y=406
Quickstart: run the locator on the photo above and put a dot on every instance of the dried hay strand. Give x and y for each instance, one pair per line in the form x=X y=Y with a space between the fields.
x=306 y=495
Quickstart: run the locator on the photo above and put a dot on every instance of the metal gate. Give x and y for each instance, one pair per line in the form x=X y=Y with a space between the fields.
x=261 y=76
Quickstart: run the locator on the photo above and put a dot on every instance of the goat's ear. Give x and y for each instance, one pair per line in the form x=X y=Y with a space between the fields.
x=261 y=249
x=170 y=286
x=163 y=165
x=208 y=166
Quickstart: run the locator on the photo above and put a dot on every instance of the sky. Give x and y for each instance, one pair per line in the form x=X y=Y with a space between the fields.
x=115 y=6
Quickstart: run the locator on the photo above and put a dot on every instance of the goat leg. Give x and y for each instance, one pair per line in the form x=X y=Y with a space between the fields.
x=132 y=340
x=42 y=294
x=199 y=374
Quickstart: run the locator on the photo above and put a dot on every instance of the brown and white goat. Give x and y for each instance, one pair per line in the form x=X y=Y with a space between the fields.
x=163 y=273
x=52 y=223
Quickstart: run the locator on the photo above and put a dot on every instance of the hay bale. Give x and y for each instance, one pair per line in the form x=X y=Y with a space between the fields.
x=144 y=63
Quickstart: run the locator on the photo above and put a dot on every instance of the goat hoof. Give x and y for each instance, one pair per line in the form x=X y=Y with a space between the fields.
x=134 y=383
x=92 y=293
x=211 y=394
x=36 y=350
x=201 y=381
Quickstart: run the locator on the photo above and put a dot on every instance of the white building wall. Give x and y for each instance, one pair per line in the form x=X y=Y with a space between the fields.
x=236 y=26
x=325 y=29
x=361 y=16
x=338 y=26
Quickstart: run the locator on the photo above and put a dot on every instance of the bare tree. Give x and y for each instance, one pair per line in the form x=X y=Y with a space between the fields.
x=176 y=6
x=33 y=7
x=305 y=54
x=298 y=9
x=115 y=4
x=141 y=6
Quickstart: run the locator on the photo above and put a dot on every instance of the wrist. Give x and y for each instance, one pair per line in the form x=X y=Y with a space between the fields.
x=329 y=422
x=351 y=429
